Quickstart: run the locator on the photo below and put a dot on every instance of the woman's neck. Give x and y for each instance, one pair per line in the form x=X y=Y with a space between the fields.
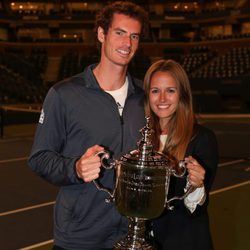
x=164 y=127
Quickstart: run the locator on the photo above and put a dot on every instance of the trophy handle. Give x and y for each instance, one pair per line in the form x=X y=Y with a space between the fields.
x=104 y=155
x=189 y=188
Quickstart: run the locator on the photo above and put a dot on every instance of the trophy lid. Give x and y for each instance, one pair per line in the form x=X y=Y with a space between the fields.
x=145 y=155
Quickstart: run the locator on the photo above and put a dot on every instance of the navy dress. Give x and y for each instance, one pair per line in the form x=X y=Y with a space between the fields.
x=180 y=229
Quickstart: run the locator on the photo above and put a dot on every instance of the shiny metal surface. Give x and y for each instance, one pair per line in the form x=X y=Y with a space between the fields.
x=141 y=190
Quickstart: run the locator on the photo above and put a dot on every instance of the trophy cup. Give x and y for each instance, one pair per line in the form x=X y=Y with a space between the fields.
x=141 y=190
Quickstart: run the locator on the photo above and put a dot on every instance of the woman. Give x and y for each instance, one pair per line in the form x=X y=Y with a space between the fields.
x=168 y=102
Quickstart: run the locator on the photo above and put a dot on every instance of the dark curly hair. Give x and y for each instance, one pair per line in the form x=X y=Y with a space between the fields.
x=105 y=17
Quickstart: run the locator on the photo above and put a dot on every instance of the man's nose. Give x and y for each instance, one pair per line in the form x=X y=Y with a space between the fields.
x=127 y=41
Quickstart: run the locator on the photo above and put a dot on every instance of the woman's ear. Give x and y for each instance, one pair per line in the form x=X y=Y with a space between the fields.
x=100 y=34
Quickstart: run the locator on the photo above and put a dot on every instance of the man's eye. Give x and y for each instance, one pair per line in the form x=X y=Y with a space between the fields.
x=118 y=32
x=135 y=37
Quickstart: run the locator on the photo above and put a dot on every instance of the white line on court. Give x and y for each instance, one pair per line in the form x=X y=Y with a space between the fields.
x=53 y=202
x=27 y=208
x=211 y=193
x=14 y=160
x=229 y=188
x=37 y=245
x=231 y=163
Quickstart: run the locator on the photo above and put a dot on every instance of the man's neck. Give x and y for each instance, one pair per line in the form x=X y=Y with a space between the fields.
x=110 y=77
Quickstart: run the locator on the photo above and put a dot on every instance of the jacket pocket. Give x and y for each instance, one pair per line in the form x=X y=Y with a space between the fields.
x=69 y=205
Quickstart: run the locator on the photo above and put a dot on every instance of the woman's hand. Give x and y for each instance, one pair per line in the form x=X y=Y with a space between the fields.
x=196 y=173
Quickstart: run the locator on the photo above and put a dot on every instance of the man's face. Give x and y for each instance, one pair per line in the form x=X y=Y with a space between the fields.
x=121 y=41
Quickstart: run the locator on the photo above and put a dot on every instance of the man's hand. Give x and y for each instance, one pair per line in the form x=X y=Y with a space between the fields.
x=88 y=166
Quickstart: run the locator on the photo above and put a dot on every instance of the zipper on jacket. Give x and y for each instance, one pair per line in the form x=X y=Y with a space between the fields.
x=120 y=117
x=122 y=122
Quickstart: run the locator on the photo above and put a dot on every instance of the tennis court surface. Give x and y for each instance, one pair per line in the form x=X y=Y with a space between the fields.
x=26 y=207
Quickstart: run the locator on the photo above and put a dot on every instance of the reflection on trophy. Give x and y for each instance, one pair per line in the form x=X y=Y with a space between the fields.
x=141 y=191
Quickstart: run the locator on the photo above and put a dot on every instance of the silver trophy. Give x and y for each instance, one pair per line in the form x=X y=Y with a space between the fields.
x=141 y=190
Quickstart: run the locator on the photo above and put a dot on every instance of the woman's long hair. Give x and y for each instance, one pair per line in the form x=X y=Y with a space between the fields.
x=180 y=125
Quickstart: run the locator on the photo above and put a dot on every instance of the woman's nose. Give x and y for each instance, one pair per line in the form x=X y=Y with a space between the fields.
x=163 y=97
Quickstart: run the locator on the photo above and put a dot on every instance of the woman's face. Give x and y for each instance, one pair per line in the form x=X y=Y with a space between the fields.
x=163 y=96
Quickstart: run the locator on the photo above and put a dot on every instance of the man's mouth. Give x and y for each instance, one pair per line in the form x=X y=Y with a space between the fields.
x=123 y=52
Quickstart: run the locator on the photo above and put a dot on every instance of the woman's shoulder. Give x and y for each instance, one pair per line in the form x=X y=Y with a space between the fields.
x=202 y=131
x=203 y=140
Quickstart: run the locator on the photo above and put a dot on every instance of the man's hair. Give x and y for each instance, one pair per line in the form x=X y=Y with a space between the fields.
x=105 y=17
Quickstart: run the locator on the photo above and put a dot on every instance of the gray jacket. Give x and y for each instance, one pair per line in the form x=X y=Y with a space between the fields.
x=76 y=115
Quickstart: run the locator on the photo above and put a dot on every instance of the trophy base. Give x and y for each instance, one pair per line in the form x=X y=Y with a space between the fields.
x=135 y=239
x=133 y=245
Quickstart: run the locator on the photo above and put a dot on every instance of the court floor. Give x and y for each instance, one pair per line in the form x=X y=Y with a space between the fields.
x=26 y=204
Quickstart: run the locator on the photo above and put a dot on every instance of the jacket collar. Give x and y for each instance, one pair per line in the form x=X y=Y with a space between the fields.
x=88 y=79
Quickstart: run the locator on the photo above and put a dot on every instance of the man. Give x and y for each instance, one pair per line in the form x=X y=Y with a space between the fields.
x=99 y=108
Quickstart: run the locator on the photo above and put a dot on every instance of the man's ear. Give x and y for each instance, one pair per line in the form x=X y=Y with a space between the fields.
x=100 y=34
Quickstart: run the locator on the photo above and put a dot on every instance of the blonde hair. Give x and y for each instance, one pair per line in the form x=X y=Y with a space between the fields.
x=180 y=126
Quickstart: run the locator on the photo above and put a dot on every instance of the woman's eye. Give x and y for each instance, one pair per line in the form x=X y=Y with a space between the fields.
x=171 y=90
x=154 y=91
